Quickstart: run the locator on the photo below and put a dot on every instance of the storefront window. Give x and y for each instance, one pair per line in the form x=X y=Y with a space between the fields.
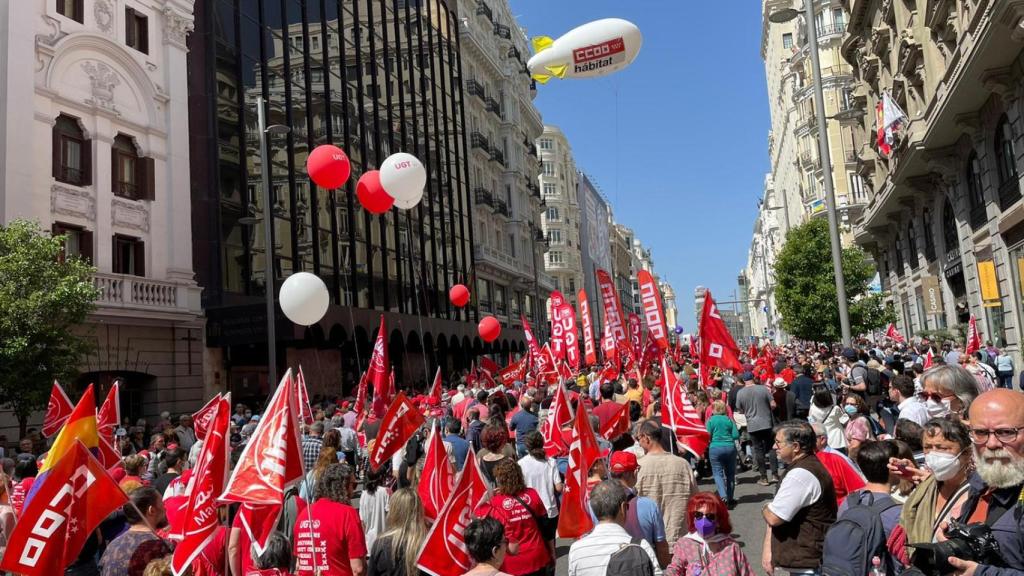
x=1017 y=286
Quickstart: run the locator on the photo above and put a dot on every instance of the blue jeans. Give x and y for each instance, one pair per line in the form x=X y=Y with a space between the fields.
x=723 y=467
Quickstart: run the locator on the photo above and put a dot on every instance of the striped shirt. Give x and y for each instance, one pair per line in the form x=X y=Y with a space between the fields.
x=589 y=555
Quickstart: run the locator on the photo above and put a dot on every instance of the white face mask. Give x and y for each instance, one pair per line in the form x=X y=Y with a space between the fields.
x=942 y=464
x=937 y=409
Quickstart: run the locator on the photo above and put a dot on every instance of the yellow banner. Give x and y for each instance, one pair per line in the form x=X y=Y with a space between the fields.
x=988 y=281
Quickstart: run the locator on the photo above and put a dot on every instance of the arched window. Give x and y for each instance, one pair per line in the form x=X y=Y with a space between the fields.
x=929 y=230
x=975 y=194
x=899 y=255
x=949 y=233
x=1006 y=167
x=72 y=152
x=912 y=244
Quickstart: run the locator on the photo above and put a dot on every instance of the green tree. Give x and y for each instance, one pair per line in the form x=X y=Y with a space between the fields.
x=805 y=289
x=44 y=299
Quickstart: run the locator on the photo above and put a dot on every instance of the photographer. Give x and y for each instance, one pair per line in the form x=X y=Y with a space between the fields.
x=997 y=431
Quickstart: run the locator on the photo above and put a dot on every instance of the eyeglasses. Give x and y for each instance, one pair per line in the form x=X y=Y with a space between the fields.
x=932 y=396
x=710 y=516
x=1004 y=435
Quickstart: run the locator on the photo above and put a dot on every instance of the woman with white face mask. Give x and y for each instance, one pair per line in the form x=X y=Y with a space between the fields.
x=948 y=389
x=941 y=486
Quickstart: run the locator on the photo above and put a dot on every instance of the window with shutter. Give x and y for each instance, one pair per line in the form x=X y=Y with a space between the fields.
x=129 y=255
x=70 y=9
x=125 y=168
x=77 y=240
x=72 y=153
x=136 y=33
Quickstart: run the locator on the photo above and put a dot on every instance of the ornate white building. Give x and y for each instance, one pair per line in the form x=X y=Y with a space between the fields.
x=101 y=84
x=561 y=220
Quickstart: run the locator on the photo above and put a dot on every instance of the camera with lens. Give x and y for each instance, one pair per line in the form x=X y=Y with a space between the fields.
x=973 y=542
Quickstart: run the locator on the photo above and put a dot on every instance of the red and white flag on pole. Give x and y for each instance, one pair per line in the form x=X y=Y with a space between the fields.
x=444 y=551
x=893 y=333
x=203 y=418
x=559 y=416
x=305 y=410
x=635 y=335
x=58 y=410
x=589 y=346
x=574 y=520
x=109 y=416
x=438 y=476
x=565 y=317
x=208 y=479
x=929 y=358
x=614 y=325
x=557 y=329
x=514 y=372
x=889 y=118
x=973 y=337
x=531 y=342
x=435 y=389
x=377 y=374
x=617 y=425
x=272 y=459
x=360 y=395
x=76 y=496
x=717 y=348
x=650 y=299
x=680 y=416
x=399 y=424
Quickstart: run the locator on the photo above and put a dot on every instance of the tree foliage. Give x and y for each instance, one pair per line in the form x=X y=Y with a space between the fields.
x=806 y=288
x=44 y=298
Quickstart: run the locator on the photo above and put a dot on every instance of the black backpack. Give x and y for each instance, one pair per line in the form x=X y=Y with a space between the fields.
x=630 y=560
x=873 y=379
x=857 y=537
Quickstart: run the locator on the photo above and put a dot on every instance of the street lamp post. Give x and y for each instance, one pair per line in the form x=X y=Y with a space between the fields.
x=786 y=15
x=268 y=235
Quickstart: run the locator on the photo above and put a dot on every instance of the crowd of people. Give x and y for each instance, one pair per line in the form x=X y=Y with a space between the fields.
x=869 y=462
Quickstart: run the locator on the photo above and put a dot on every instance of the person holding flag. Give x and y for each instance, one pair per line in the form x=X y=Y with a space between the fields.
x=519 y=509
x=328 y=538
x=145 y=512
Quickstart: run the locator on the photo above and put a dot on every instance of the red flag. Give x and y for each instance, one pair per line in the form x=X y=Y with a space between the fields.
x=208 y=477
x=489 y=366
x=635 y=335
x=435 y=390
x=360 y=395
x=109 y=416
x=377 y=374
x=613 y=322
x=305 y=410
x=892 y=332
x=514 y=372
x=625 y=352
x=202 y=419
x=566 y=317
x=438 y=476
x=680 y=416
x=57 y=410
x=973 y=337
x=617 y=425
x=609 y=351
x=272 y=459
x=650 y=299
x=717 y=348
x=559 y=416
x=399 y=424
x=589 y=346
x=557 y=329
x=545 y=363
x=531 y=343
x=444 y=550
x=928 y=359
x=574 y=520
x=69 y=504
x=258 y=521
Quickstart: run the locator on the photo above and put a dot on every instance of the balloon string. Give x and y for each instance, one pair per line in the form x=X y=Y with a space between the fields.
x=351 y=322
x=419 y=317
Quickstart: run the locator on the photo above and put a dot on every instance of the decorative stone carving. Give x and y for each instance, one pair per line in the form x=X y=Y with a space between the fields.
x=104 y=16
x=74 y=202
x=103 y=79
x=55 y=33
x=127 y=214
x=176 y=28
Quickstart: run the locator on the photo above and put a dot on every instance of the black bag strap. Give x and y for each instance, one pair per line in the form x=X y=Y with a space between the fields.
x=533 y=514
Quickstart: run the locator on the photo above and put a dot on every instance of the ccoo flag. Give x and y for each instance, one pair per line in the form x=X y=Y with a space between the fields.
x=58 y=409
x=399 y=424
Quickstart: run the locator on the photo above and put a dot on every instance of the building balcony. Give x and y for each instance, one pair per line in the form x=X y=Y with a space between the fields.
x=501 y=207
x=482 y=9
x=498 y=156
x=485 y=255
x=482 y=196
x=478 y=140
x=493 y=106
x=476 y=89
x=133 y=293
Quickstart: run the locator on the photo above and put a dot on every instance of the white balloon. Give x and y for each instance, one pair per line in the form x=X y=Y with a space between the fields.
x=594 y=49
x=304 y=298
x=409 y=202
x=403 y=177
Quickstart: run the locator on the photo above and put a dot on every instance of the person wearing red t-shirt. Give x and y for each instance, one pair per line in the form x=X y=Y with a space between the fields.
x=331 y=526
x=275 y=560
x=608 y=406
x=519 y=509
x=845 y=477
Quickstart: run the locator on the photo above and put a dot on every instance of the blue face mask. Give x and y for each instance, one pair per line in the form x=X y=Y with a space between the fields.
x=850 y=409
x=705 y=527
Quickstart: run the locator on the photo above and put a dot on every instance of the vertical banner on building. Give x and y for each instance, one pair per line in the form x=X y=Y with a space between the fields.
x=557 y=329
x=932 y=295
x=635 y=334
x=989 y=283
x=589 y=348
x=650 y=299
x=565 y=317
x=614 y=325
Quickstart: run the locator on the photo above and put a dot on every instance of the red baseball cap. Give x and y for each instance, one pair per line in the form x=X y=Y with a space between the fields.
x=624 y=462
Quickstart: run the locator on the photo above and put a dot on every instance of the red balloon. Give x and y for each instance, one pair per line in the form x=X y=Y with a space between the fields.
x=372 y=195
x=489 y=329
x=459 y=295
x=328 y=166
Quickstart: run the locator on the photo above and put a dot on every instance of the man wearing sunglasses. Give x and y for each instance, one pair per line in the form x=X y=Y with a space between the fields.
x=997 y=434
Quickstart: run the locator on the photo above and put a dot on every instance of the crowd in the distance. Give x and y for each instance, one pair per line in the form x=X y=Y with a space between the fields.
x=921 y=469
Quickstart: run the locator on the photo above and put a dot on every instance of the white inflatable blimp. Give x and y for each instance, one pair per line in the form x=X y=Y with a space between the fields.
x=593 y=49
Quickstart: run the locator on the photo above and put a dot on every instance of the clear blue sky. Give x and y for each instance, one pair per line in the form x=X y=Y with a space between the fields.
x=683 y=160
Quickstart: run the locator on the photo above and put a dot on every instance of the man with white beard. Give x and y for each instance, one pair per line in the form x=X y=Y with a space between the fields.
x=997 y=431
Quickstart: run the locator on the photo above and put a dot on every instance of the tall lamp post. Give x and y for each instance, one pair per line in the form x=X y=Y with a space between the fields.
x=536 y=272
x=268 y=235
x=785 y=15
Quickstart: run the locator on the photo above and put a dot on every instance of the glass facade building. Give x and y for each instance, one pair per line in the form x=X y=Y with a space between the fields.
x=372 y=77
